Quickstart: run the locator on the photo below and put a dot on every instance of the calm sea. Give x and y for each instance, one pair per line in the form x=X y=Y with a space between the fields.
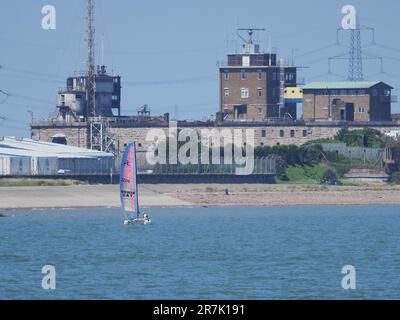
x=294 y=252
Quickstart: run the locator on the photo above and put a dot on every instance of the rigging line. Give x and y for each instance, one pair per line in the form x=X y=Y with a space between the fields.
x=14 y=120
x=197 y=105
x=14 y=95
x=106 y=35
x=387 y=57
x=318 y=76
x=386 y=47
x=39 y=45
x=316 y=50
x=62 y=54
x=307 y=63
x=36 y=107
x=28 y=72
x=176 y=81
x=5 y=125
x=391 y=75
x=30 y=78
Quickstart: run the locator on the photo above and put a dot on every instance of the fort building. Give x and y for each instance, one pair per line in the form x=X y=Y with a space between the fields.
x=252 y=85
x=347 y=101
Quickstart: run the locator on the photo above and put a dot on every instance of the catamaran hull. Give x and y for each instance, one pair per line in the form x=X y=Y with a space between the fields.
x=126 y=222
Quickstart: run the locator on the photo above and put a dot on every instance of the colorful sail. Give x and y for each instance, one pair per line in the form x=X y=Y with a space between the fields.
x=128 y=182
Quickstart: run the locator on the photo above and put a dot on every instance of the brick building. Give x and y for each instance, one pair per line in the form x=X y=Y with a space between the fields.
x=252 y=85
x=347 y=101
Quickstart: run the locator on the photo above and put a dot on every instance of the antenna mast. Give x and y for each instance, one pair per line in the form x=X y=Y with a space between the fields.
x=91 y=86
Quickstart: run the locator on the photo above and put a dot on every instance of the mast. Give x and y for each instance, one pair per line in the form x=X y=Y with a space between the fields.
x=91 y=86
x=136 y=184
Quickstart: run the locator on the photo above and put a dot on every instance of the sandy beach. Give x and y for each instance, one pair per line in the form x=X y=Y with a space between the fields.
x=171 y=195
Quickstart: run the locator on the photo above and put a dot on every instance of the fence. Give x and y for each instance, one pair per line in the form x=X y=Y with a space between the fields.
x=262 y=166
x=360 y=153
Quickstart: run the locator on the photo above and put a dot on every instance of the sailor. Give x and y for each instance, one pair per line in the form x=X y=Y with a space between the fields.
x=146 y=217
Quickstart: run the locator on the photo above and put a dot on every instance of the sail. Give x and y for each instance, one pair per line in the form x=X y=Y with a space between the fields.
x=128 y=182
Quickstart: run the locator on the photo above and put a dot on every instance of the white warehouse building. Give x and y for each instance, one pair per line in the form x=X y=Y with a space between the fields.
x=27 y=157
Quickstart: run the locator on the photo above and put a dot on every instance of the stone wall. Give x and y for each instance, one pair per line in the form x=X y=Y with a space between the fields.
x=75 y=135
x=264 y=134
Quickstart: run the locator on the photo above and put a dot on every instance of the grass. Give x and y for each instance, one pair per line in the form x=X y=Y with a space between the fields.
x=304 y=174
x=313 y=174
x=26 y=182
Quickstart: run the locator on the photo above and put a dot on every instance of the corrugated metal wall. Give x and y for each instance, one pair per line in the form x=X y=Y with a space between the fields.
x=52 y=166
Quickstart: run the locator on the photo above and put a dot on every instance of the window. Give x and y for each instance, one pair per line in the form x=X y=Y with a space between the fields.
x=259 y=75
x=259 y=111
x=226 y=75
x=259 y=92
x=361 y=92
x=226 y=92
x=292 y=133
x=352 y=92
x=281 y=133
x=361 y=109
x=334 y=92
x=242 y=75
x=304 y=133
x=274 y=76
x=263 y=133
x=246 y=61
x=244 y=93
x=343 y=92
x=387 y=93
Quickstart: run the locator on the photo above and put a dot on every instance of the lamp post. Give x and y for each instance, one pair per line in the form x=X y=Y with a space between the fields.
x=31 y=113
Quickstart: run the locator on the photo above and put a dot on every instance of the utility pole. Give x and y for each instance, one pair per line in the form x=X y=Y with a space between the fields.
x=31 y=113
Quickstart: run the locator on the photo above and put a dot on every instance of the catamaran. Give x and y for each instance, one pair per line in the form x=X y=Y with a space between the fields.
x=129 y=189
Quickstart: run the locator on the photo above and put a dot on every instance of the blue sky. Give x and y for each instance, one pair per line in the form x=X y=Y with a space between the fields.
x=167 y=51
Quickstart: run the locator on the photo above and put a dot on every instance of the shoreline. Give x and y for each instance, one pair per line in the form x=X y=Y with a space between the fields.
x=196 y=195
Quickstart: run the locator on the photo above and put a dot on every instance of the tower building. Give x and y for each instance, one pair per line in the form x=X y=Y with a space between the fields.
x=252 y=84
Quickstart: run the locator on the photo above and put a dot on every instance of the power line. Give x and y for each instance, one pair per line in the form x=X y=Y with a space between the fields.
x=174 y=81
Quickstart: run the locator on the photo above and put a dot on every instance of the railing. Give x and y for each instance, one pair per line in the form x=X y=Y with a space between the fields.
x=360 y=153
x=262 y=166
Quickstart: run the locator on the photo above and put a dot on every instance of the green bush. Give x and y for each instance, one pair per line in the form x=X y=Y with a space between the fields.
x=329 y=175
x=395 y=177
x=310 y=154
x=366 y=137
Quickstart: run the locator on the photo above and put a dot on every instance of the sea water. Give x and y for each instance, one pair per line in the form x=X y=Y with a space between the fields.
x=277 y=252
